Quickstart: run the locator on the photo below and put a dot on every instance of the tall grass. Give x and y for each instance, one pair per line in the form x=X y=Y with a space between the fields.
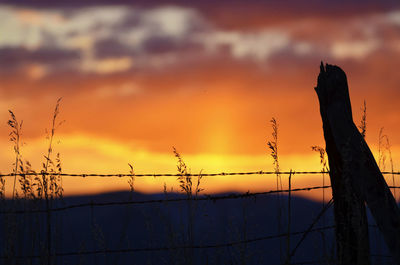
x=33 y=187
x=324 y=168
x=15 y=136
x=273 y=146
x=2 y=188
x=288 y=256
x=192 y=191
x=363 y=121
x=131 y=179
x=48 y=182
x=46 y=186
x=384 y=154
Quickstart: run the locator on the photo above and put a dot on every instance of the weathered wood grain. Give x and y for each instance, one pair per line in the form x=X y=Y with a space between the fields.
x=354 y=174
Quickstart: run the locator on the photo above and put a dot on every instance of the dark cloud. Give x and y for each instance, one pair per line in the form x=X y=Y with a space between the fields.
x=11 y=58
x=165 y=44
x=153 y=45
x=112 y=48
x=339 y=4
x=236 y=14
x=133 y=20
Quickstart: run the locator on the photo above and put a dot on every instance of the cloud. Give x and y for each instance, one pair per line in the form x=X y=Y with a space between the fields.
x=108 y=65
x=354 y=49
x=126 y=73
x=163 y=26
x=174 y=22
x=259 y=46
x=36 y=71
x=19 y=55
x=119 y=30
x=394 y=17
x=21 y=28
x=36 y=63
x=125 y=89
x=118 y=38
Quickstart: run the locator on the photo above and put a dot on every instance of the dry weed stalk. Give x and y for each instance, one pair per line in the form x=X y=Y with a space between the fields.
x=384 y=147
x=15 y=136
x=289 y=219
x=363 y=122
x=33 y=186
x=185 y=178
x=23 y=170
x=131 y=179
x=50 y=177
x=50 y=182
x=273 y=146
x=2 y=188
x=186 y=185
x=324 y=167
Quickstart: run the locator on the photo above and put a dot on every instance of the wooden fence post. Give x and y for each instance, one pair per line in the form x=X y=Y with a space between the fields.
x=355 y=176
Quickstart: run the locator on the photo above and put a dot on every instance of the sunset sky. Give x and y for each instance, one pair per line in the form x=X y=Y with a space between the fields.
x=205 y=77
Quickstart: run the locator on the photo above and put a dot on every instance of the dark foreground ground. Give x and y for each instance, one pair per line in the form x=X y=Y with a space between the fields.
x=233 y=231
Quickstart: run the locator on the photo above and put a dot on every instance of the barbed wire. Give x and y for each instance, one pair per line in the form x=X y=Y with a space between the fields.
x=316 y=219
x=381 y=256
x=169 y=248
x=120 y=175
x=332 y=261
x=202 y=198
x=312 y=262
x=206 y=197
x=164 y=248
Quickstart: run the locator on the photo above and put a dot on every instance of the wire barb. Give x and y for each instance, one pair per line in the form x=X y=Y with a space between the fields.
x=84 y=175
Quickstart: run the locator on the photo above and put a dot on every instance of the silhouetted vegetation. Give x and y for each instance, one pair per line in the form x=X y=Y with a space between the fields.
x=37 y=228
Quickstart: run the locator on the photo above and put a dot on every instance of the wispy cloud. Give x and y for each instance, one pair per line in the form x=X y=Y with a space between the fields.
x=123 y=90
x=137 y=77
x=121 y=38
x=257 y=45
x=353 y=49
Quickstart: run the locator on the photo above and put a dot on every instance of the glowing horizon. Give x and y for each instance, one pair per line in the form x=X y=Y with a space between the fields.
x=137 y=79
x=104 y=156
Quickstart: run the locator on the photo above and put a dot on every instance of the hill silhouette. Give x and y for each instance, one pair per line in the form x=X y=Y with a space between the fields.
x=165 y=226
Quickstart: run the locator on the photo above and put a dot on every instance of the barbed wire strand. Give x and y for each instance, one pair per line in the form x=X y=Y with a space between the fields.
x=125 y=250
x=212 y=198
x=310 y=262
x=381 y=256
x=202 y=198
x=84 y=175
x=227 y=244
x=326 y=207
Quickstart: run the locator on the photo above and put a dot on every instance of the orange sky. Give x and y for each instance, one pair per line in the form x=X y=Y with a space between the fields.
x=137 y=80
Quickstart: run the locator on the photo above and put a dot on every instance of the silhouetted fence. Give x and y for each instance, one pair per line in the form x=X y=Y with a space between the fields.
x=232 y=196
